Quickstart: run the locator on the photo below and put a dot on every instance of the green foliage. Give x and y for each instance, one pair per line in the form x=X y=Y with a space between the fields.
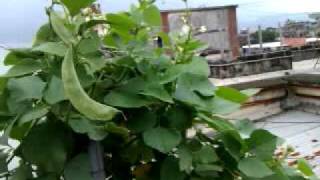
x=100 y=78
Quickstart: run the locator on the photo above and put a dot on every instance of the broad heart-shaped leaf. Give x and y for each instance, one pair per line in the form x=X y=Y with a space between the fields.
x=195 y=90
x=53 y=48
x=75 y=7
x=16 y=56
x=47 y=146
x=231 y=94
x=178 y=117
x=44 y=34
x=60 y=28
x=196 y=83
x=120 y=21
x=128 y=96
x=23 y=68
x=35 y=113
x=26 y=88
x=126 y=99
x=142 y=121
x=218 y=124
x=185 y=159
x=157 y=91
x=245 y=128
x=170 y=170
x=205 y=155
x=233 y=143
x=254 y=168
x=263 y=144
x=89 y=45
x=84 y=126
x=152 y=16
x=78 y=168
x=198 y=66
x=162 y=139
x=54 y=92
x=222 y=106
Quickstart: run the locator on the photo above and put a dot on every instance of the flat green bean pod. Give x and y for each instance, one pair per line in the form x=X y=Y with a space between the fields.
x=78 y=97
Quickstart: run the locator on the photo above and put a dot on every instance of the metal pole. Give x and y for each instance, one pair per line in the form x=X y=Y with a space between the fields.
x=280 y=34
x=96 y=160
x=249 y=41
x=260 y=39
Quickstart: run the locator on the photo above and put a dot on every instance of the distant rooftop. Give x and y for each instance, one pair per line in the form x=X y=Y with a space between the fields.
x=200 y=9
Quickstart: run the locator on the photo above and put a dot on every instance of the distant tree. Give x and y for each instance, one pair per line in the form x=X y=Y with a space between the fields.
x=268 y=35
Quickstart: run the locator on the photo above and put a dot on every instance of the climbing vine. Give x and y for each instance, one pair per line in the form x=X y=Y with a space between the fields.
x=92 y=78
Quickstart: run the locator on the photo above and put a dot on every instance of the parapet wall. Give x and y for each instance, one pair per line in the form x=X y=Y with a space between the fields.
x=299 y=92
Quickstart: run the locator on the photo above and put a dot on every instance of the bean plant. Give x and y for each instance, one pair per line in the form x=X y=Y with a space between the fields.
x=140 y=96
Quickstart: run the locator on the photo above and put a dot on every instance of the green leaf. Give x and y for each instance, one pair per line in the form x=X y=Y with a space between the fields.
x=170 y=170
x=179 y=118
x=206 y=155
x=223 y=107
x=207 y=169
x=95 y=63
x=233 y=143
x=254 y=168
x=198 y=66
x=47 y=146
x=157 y=91
x=231 y=94
x=245 y=128
x=89 y=45
x=83 y=126
x=125 y=99
x=161 y=139
x=18 y=55
x=217 y=123
x=44 y=34
x=35 y=113
x=120 y=21
x=142 y=121
x=152 y=16
x=196 y=83
x=23 y=68
x=78 y=168
x=74 y=8
x=185 y=159
x=195 y=90
x=263 y=144
x=305 y=168
x=26 y=88
x=55 y=92
x=60 y=28
x=53 y=48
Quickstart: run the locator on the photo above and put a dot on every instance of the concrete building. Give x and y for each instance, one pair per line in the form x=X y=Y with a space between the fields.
x=220 y=24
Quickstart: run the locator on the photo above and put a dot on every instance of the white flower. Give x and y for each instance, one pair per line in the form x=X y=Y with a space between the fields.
x=203 y=29
x=185 y=29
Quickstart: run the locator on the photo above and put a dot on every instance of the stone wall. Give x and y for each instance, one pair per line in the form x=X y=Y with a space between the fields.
x=250 y=67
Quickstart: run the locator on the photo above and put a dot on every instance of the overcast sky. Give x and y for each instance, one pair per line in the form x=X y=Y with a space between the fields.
x=21 y=18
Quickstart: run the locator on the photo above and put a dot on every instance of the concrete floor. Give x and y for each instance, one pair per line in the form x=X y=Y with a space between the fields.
x=301 y=130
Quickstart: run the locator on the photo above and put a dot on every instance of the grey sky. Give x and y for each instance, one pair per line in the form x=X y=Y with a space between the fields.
x=20 y=18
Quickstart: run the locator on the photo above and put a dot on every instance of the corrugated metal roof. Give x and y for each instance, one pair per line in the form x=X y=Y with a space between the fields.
x=301 y=130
